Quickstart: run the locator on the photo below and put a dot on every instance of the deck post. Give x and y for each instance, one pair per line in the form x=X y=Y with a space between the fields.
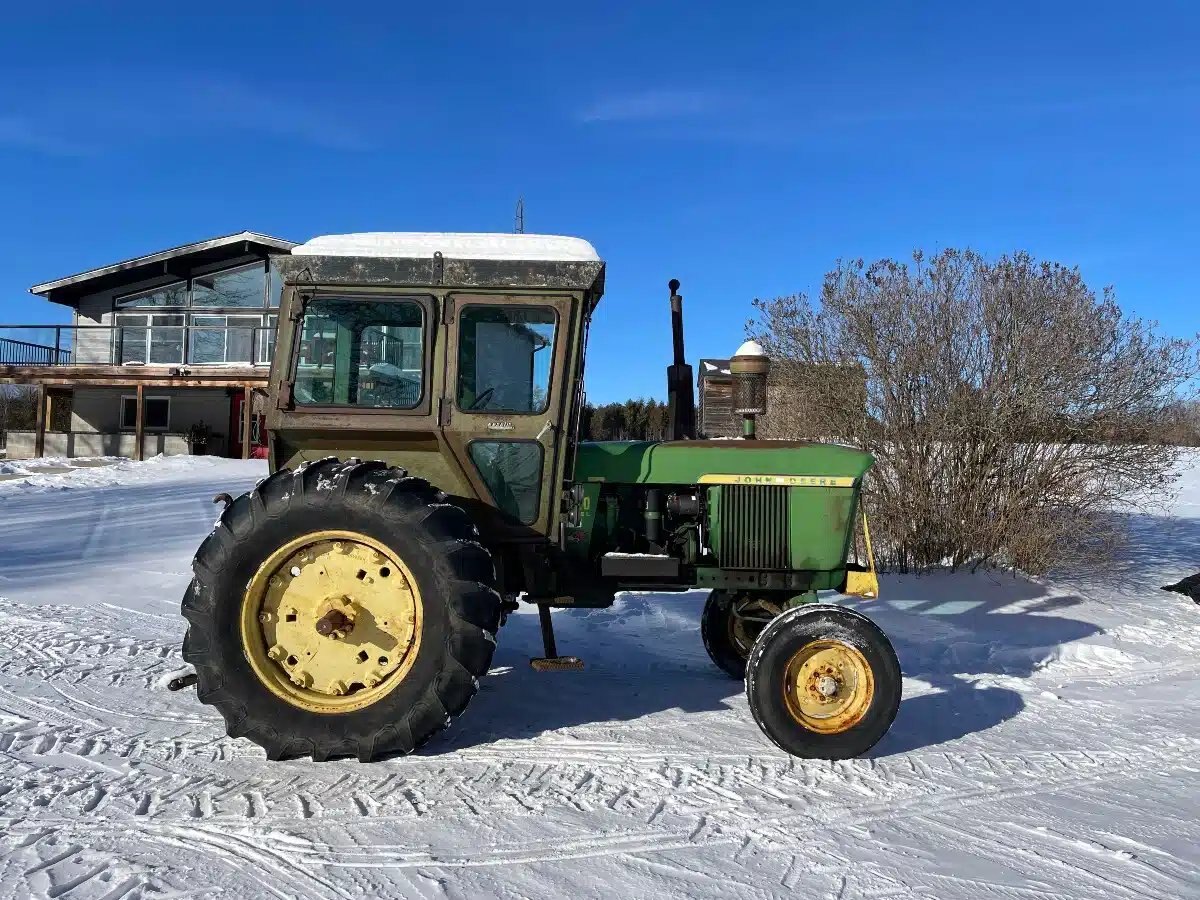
x=140 y=423
x=39 y=446
x=247 y=412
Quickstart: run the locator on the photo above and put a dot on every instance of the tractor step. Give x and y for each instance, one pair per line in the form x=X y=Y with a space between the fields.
x=552 y=662
x=556 y=663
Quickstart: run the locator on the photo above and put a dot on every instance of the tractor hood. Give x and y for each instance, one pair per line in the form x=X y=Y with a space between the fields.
x=784 y=463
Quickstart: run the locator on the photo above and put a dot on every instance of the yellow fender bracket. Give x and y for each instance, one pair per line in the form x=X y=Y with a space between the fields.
x=864 y=584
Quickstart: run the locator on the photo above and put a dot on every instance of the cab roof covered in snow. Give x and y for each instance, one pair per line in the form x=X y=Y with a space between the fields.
x=422 y=245
x=419 y=259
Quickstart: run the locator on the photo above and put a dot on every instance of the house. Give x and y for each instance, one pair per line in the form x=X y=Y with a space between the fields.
x=715 y=416
x=161 y=347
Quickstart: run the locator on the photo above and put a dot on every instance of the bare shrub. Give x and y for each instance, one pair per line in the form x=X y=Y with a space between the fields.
x=1010 y=409
x=18 y=408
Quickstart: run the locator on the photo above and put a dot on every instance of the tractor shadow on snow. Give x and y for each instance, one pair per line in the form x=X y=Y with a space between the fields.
x=968 y=641
x=961 y=635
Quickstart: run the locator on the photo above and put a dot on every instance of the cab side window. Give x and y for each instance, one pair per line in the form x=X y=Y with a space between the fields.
x=363 y=353
x=504 y=358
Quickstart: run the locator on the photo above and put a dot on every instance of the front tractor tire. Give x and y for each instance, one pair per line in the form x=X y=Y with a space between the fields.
x=730 y=624
x=340 y=609
x=823 y=682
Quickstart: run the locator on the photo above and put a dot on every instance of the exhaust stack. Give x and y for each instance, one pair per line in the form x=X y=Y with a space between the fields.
x=681 y=399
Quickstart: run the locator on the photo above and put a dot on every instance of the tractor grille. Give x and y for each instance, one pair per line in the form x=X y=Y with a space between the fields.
x=754 y=527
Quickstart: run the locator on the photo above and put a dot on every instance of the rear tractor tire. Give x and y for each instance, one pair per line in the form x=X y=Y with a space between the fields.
x=730 y=625
x=340 y=609
x=823 y=682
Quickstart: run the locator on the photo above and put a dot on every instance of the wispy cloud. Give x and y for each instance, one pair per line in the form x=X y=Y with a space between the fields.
x=773 y=115
x=657 y=105
x=232 y=104
x=21 y=133
x=116 y=109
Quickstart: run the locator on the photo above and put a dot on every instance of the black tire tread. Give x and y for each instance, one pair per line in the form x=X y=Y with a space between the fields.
x=473 y=605
x=848 y=744
x=714 y=631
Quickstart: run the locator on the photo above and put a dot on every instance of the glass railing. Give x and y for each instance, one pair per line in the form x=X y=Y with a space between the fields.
x=126 y=345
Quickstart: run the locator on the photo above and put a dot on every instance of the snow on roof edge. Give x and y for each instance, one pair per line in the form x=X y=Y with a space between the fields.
x=461 y=245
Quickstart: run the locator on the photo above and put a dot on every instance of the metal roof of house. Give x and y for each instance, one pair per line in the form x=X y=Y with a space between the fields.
x=64 y=290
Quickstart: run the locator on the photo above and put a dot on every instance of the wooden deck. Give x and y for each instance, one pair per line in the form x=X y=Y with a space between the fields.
x=131 y=376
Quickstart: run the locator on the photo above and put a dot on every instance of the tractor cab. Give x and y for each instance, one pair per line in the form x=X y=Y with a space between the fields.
x=456 y=356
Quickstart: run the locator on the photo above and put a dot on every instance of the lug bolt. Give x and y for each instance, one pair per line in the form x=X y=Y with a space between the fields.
x=277 y=652
x=264 y=617
x=338 y=688
x=302 y=678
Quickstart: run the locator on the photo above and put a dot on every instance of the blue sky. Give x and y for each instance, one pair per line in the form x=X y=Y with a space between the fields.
x=740 y=148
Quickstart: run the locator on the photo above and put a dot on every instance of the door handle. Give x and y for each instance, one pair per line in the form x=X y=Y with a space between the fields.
x=548 y=427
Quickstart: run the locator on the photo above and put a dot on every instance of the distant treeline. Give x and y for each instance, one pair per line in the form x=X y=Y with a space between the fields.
x=633 y=420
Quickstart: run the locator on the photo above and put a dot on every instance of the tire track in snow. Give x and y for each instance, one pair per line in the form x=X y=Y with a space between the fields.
x=302 y=855
x=466 y=784
x=72 y=644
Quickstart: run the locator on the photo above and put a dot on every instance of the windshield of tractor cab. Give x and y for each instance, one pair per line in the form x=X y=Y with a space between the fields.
x=504 y=356
x=365 y=353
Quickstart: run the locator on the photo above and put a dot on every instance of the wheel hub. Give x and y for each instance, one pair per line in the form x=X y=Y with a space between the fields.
x=331 y=621
x=828 y=686
x=338 y=621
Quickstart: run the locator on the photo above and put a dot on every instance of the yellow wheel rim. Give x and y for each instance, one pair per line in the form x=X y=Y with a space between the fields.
x=828 y=686
x=331 y=622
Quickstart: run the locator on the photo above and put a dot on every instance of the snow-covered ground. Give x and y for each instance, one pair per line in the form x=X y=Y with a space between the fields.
x=1048 y=744
x=19 y=468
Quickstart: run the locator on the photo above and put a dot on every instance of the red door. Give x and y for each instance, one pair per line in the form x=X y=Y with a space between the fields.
x=258 y=430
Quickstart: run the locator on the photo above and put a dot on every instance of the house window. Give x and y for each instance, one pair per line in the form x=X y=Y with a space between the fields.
x=223 y=339
x=266 y=340
x=168 y=295
x=244 y=287
x=148 y=339
x=504 y=355
x=157 y=413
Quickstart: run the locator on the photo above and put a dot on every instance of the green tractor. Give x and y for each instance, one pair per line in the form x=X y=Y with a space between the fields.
x=424 y=405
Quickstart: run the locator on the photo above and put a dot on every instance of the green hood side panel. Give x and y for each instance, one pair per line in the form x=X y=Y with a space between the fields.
x=684 y=462
x=820 y=517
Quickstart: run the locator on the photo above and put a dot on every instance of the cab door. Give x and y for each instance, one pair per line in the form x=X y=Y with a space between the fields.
x=509 y=382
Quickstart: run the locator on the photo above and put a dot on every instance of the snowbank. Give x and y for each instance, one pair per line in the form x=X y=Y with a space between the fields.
x=122 y=472
x=32 y=466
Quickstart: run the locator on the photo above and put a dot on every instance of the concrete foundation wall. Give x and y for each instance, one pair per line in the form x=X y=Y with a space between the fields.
x=21 y=444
